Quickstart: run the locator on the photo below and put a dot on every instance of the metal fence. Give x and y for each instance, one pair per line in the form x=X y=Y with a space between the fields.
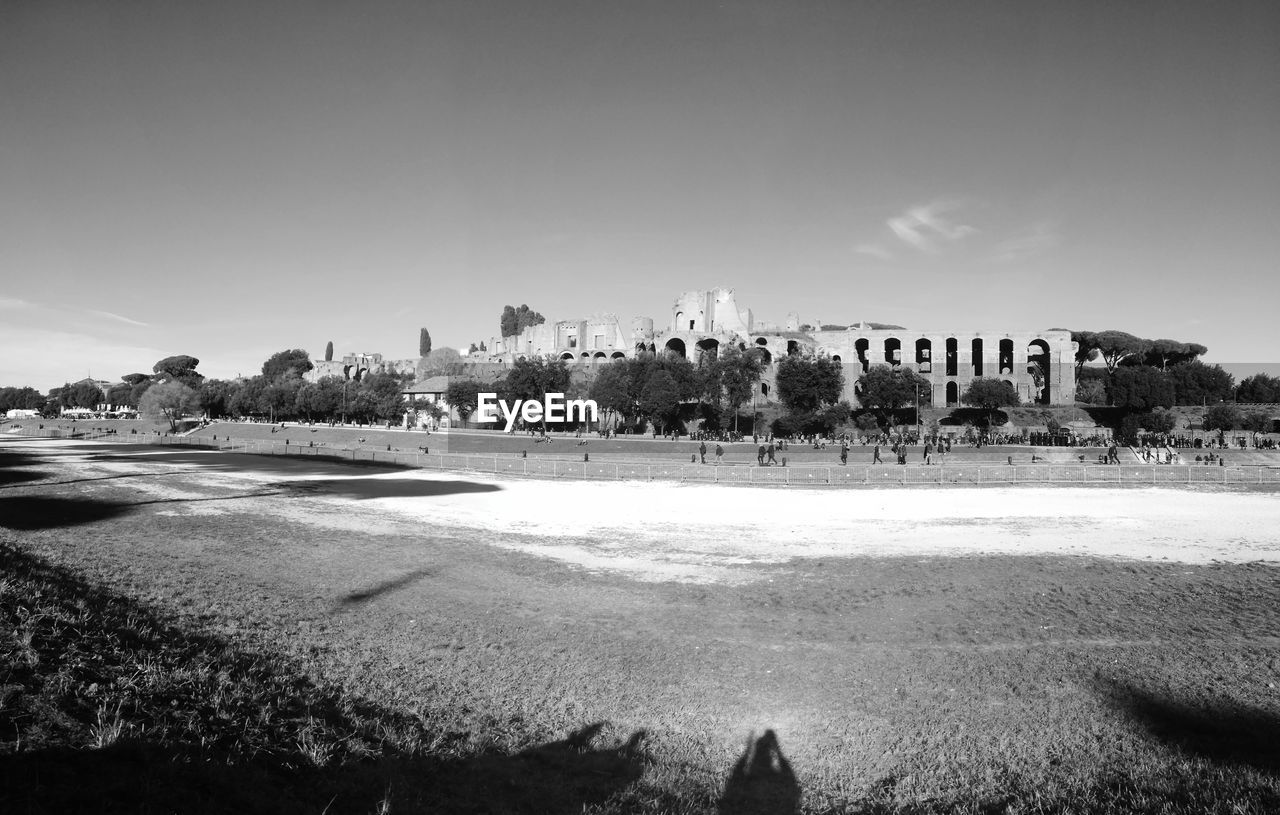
x=803 y=475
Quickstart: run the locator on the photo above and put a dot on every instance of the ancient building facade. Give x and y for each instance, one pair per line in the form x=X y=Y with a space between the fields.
x=355 y=366
x=1040 y=365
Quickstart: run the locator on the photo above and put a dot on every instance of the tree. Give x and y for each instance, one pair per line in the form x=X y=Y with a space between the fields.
x=121 y=395
x=1195 y=383
x=215 y=397
x=533 y=379
x=282 y=362
x=328 y=351
x=1259 y=389
x=1086 y=348
x=806 y=383
x=248 y=399
x=1164 y=353
x=1257 y=422
x=322 y=398
x=737 y=373
x=380 y=397
x=1160 y=421
x=1091 y=386
x=990 y=395
x=82 y=394
x=867 y=423
x=442 y=360
x=136 y=379
x=1140 y=389
x=170 y=401
x=424 y=342
x=473 y=349
x=463 y=395
x=281 y=395
x=24 y=398
x=660 y=400
x=885 y=388
x=611 y=392
x=1222 y=417
x=180 y=367
x=515 y=320
x=1118 y=345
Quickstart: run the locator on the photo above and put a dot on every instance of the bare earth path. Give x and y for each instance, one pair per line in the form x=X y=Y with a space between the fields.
x=927 y=640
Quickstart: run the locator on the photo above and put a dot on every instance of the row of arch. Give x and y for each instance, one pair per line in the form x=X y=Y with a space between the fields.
x=587 y=356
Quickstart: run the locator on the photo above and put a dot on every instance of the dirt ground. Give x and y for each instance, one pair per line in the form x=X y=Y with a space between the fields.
x=921 y=639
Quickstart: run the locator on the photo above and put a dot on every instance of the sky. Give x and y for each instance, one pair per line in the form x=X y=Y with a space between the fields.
x=232 y=179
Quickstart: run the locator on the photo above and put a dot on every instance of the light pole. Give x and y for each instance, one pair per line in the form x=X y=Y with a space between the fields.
x=917 y=410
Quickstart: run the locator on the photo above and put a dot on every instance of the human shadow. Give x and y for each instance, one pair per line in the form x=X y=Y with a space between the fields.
x=197 y=738
x=762 y=781
x=1221 y=731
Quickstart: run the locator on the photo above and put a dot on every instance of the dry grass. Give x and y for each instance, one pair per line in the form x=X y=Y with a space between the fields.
x=159 y=662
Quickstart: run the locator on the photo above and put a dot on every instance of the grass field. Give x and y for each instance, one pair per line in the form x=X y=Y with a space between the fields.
x=203 y=632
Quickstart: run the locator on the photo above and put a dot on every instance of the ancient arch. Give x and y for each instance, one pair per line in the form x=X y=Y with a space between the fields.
x=708 y=345
x=953 y=394
x=924 y=355
x=1005 y=361
x=862 y=345
x=976 y=347
x=893 y=351
x=835 y=358
x=953 y=356
x=793 y=348
x=766 y=358
x=1038 y=368
x=599 y=357
x=618 y=355
x=567 y=356
x=676 y=346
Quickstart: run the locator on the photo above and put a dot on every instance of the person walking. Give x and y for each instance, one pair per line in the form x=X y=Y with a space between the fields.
x=844 y=452
x=702 y=452
x=771 y=451
x=875 y=455
x=719 y=454
x=760 y=455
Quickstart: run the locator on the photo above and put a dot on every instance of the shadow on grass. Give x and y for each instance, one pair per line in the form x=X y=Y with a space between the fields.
x=34 y=512
x=1220 y=732
x=109 y=708
x=357 y=598
x=13 y=464
x=761 y=782
x=366 y=488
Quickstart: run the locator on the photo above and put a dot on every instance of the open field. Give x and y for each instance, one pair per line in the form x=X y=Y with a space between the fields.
x=195 y=631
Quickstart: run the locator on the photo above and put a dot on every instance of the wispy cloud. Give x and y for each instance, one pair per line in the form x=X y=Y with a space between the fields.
x=926 y=228
x=1040 y=238
x=875 y=250
x=14 y=304
x=112 y=316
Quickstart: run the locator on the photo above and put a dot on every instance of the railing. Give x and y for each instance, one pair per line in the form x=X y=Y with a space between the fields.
x=802 y=475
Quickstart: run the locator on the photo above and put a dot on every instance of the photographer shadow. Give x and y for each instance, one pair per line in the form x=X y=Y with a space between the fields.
x=762 y=781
